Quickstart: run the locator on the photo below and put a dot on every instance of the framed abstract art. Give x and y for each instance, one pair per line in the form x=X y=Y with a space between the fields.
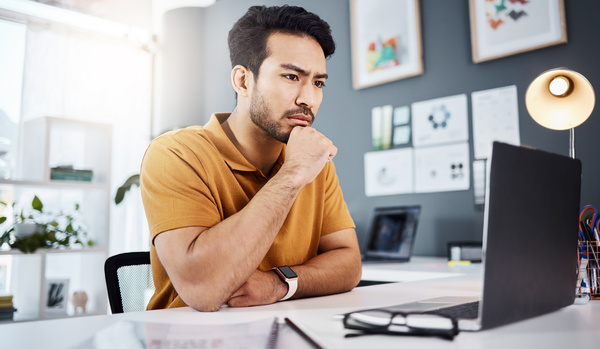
x=501 y=28
x=386 y=41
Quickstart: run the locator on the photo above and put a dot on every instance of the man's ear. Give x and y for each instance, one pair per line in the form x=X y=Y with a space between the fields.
x=240 y=79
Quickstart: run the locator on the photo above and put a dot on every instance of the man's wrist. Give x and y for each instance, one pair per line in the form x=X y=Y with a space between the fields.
x=289 y=277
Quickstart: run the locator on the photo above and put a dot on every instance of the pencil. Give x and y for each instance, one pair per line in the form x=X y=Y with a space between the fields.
x=302 y=333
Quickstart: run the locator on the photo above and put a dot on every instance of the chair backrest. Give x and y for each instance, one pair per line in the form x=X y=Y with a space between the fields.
x=128 y=281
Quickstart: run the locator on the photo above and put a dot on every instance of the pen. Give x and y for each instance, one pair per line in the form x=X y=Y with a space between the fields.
x=302 y=333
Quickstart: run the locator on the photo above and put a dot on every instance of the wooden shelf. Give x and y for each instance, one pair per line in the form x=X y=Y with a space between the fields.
x=46 y=251
x=55 y=184
x=49 y=142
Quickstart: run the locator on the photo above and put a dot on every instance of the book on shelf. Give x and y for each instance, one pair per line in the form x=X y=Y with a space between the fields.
x=68 y=173
x=6 y=300
x=7 y=308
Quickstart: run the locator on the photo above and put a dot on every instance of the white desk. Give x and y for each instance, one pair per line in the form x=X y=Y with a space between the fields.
x=418 y=269
x=576 y=326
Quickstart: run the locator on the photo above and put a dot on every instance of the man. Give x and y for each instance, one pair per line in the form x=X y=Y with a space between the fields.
x=255 y=189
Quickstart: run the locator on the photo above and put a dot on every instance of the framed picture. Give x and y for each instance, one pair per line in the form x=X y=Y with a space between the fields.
x=501 y=28
x=386 y=41
x=57 y=291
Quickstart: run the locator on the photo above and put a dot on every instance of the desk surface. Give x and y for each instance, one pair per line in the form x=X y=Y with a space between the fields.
x=573 y=326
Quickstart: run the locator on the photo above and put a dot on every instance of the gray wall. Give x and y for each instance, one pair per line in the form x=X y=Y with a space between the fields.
x=200 y=85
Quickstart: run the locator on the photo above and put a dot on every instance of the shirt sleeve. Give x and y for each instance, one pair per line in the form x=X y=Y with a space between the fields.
x=174 y=188
x=336 y=215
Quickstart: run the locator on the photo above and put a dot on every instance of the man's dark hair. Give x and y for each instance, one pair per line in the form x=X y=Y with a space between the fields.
x=248 y=37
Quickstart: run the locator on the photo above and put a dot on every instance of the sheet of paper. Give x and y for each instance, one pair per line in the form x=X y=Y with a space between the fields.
x=439 y=121
x=495 y=118
x=479 y=181
x=401 y=115
x=442 y=168
x=389 y=172
x=263 y=333
x=401 y=135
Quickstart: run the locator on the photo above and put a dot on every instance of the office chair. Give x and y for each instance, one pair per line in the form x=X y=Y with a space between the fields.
x=128 y=281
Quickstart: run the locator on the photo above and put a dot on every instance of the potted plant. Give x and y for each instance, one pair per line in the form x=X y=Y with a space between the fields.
x=34 y=228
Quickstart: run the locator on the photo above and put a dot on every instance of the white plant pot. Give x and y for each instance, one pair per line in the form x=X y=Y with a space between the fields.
x=23 y=230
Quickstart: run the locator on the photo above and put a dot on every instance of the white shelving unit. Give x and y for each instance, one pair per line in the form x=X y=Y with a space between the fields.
x=45 y=143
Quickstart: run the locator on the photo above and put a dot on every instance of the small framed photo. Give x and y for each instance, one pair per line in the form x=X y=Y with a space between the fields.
x=57 y=291
x=386 y=41
x=502 y=28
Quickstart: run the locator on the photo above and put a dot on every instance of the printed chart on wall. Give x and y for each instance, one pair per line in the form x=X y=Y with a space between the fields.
x=442 y=168
x=440 y=131
x=440 y=121
x=495 y=118
x=389 y=172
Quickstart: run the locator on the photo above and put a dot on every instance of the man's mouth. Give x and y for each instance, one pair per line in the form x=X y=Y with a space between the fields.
x=302 y=117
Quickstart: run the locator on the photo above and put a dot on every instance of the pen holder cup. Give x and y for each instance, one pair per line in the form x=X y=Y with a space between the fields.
x=588 y=270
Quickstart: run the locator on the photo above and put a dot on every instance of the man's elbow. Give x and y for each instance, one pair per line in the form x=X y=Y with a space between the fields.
x=357 y=275
x=203 y=299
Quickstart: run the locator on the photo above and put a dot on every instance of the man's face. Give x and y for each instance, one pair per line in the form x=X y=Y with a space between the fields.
x=289 y=88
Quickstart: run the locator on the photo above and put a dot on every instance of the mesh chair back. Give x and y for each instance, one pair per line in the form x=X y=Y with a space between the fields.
x=129 y=281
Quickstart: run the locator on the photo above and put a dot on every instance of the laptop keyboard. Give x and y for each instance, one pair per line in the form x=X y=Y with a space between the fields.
x=460 y=311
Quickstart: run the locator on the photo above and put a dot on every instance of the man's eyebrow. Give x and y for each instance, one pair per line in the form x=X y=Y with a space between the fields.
x=302 y=71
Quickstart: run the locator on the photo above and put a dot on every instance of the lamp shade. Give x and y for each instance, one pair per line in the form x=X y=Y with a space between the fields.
x=560 y=99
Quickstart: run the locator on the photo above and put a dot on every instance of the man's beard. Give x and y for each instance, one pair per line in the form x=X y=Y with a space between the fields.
x=260 y=114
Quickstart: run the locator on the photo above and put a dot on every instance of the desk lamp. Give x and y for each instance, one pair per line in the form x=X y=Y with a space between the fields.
x=560 y=99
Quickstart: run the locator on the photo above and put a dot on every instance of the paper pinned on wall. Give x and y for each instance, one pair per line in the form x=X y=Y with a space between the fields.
x=389 y=172
x=442 y=168
x=401 y=115
x=479 y=181
x=439 y=121
x=495 y=118
x=401 y=135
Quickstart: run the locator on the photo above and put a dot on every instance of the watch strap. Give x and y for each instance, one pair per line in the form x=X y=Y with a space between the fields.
x=292 y=287
x=291 y=282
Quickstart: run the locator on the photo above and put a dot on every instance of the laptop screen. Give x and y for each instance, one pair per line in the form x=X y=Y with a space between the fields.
x=530 y=234
x=392 y=232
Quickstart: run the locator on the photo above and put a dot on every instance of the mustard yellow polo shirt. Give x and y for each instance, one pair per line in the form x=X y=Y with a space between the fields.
x=197 y=177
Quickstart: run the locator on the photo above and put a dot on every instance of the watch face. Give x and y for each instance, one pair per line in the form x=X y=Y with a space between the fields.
x=287 y=272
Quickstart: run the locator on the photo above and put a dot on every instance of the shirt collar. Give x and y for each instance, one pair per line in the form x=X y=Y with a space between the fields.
x=232 y=156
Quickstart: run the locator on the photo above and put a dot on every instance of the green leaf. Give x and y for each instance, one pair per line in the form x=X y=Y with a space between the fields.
x=131 y=181
x=2 y=219
x=37 y=204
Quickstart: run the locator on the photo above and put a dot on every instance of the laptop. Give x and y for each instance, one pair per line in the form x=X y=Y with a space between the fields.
x=391 y=234
x=529 y=239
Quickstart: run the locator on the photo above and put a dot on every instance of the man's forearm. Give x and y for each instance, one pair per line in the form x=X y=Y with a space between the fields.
x=334 y=271
x=244 y=238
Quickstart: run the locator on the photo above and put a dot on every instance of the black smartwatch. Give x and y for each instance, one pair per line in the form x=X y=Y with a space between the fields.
x=286 y=274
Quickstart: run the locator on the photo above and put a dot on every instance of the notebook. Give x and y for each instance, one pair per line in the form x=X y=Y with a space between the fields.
x=391 y=234
x=529 y=239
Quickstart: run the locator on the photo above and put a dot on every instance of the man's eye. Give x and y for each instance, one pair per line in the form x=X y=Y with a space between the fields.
x=319 y=84
x=291 y=77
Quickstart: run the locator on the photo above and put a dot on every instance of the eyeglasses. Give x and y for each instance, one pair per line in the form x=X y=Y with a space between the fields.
x=381 y=321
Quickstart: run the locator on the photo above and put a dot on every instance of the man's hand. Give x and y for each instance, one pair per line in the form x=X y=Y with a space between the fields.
x=307 y=152
x=263 y=287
